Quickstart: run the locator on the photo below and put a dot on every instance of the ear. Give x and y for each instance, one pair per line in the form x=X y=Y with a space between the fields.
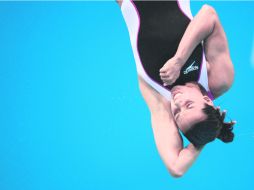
x=208 y=100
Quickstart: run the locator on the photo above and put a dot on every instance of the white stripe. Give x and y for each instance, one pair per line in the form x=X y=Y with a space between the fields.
x=203 y=80
x=133 y=21
x=185 y=7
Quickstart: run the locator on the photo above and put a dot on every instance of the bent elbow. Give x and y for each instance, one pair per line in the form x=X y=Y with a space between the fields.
x=176 y=173
x=210 y=16
x=210 y=12
x=209 y=9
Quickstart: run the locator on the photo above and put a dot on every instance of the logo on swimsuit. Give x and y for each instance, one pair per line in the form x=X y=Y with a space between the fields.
x=190 y=68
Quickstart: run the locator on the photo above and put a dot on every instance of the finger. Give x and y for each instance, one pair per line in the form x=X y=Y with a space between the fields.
x=164 y=78
x=167 y=82
x=163 y=70
x=164 y=74
x=170 y=81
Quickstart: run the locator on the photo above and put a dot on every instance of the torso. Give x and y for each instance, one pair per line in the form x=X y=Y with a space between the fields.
x=162 y=27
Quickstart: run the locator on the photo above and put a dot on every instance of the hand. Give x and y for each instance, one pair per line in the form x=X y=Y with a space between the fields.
x=170 y=71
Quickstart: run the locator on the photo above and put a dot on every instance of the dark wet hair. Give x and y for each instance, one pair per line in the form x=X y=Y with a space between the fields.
x=211 y=128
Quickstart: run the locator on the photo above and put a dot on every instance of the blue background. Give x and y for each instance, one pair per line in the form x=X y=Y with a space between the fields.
x=72 y=116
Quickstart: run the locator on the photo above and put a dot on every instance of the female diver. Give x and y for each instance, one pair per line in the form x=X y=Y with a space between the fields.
x=183 y=64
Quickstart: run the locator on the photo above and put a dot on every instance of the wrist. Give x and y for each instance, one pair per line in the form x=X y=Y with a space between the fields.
x=179 y=61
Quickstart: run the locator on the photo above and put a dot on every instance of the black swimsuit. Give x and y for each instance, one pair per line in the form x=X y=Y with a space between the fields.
x=156 y=29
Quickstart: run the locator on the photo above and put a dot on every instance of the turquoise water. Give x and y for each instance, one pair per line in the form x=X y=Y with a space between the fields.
x=72 y=116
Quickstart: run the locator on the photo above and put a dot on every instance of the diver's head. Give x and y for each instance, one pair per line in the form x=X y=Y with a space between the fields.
x=196 y=116
x=187 y=104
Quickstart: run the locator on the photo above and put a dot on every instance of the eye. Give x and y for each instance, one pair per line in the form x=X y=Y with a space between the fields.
x=189 y=105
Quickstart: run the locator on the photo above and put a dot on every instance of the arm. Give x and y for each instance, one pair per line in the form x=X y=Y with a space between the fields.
x=204 y=26
x=167 y=137
x=170 y=146
x=199 y=29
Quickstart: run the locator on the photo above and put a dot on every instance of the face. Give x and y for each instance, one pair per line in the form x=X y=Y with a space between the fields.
x=186 y=105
